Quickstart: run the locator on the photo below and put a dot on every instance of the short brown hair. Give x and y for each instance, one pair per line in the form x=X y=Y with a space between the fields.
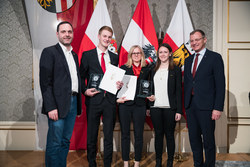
x=105 y=28
x=200 y=31
x=61 y=23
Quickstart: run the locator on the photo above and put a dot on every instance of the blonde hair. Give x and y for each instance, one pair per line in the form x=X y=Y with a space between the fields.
x=105 y=28
x=130 y=61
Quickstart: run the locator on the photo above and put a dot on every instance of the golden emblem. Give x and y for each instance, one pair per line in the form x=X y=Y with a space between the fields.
x=180 y=55
x=44 y=3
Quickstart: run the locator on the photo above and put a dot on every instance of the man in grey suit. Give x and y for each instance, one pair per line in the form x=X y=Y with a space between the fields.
x=204 y=94
x=61 y=93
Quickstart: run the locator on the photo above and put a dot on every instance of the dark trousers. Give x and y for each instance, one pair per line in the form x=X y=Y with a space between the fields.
x=108 y=111
x=201 y=134
x=163 y=120
x=137 y=114
x=58 y=137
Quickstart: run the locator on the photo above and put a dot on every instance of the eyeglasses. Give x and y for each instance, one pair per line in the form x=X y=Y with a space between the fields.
x=196 y=40
x=136 y=53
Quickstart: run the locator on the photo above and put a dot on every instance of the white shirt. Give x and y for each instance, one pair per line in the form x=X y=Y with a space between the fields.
x=161 y=88
x=202 y=52
x=72 y=67
x=106 y=57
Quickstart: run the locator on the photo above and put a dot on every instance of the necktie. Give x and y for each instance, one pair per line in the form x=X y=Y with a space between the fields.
x=195 y=64
x=103 y=63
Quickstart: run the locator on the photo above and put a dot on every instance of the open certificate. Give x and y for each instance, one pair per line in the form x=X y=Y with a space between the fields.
x=129 y=87
x=111 y=76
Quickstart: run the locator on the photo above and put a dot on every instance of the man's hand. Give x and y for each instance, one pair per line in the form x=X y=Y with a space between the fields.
x=216 y=115
x=151 y=98
x=119 y=84
x=91 y=92
x=53 y=114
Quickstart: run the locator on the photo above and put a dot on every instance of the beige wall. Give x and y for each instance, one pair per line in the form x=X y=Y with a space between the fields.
x=17 y=135
x=232 y=40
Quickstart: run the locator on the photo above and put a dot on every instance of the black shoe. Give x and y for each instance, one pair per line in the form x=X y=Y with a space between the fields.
x=170 y=163
x=158 y=163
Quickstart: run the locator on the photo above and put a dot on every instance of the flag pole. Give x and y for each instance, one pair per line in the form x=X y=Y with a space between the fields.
x=179 y=157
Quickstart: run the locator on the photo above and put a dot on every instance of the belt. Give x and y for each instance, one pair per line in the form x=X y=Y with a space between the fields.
x=74 y=94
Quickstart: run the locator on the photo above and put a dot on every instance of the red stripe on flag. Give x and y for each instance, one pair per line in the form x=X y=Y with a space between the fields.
x=149 y=122
x=149 y=60
x=143 y=18
x=167 y=39
x=123 y=57
x=85 y=45
x=64 y=5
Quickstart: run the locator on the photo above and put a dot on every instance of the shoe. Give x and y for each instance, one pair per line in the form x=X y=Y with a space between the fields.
x=158 y=163
x=170 y=163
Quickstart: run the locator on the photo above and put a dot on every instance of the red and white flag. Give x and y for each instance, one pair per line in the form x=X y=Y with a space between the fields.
x=43 y=17
x=177 y=36
x=99 y=18
x=141 y=32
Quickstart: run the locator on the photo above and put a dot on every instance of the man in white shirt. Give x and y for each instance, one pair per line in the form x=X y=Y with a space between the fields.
x=99 y=103
x=61 y=93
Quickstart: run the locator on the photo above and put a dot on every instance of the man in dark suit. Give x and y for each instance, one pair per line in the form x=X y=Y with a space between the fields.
x=99 y=103
x=61 y=93
x=204 y=94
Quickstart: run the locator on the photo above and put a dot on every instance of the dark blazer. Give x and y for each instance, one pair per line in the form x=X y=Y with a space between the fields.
x=174 y=89
x=208 y=84
x=90 y=65
x=55 y=81
x=144 y=75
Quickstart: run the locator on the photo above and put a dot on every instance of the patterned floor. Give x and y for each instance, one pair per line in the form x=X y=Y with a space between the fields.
x=232 y=164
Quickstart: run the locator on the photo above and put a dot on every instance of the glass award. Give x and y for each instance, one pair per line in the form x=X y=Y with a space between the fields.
x=145 y=88
x=94 y=81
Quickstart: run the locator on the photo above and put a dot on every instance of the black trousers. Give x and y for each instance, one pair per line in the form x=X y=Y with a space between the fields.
x=201 y=134
x=108 y=111
x=163 y=120
x=137 y=114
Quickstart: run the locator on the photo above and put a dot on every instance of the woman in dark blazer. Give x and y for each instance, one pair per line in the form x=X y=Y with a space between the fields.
x=165 y=103
x=134 y=110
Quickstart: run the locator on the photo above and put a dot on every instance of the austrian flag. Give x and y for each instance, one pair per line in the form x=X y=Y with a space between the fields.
x=140 y=32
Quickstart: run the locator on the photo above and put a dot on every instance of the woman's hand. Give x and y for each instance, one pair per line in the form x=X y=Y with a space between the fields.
x=177 y=117
x=151 y=98
x=119 y=84
x=121 y=100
